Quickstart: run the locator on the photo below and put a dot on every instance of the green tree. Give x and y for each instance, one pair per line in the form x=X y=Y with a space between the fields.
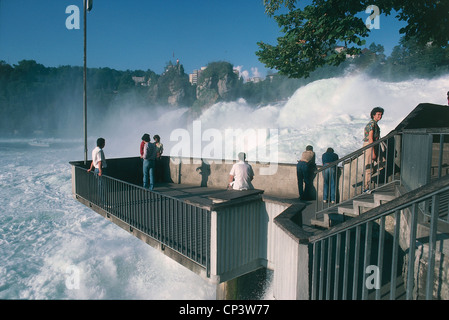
x=412 y=59
x=312 y=33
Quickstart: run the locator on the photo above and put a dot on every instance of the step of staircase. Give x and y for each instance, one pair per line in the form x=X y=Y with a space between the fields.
x=327 y=218
x=353 y=208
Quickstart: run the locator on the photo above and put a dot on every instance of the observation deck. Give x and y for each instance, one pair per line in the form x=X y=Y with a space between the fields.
x=316 y=250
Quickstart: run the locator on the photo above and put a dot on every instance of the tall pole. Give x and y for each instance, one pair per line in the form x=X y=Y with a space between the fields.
x=85 y=85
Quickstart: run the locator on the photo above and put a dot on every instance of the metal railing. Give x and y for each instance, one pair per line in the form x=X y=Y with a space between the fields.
x=431 y=155
x=438 y=161
x=342 y=255
x=181 y=226
x=348 y=173
x=384 y=240
x=374 y=243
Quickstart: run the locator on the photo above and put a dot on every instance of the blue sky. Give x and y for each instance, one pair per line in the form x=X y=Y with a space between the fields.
x=146 y=34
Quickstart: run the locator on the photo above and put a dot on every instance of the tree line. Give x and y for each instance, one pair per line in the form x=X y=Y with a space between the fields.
x=49 y=99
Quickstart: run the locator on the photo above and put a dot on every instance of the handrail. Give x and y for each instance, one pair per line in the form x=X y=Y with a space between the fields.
x=75 y=163
x=344 y=179
x=427 y=191
x=357 y=153
x=159 y=216
x=333 y=248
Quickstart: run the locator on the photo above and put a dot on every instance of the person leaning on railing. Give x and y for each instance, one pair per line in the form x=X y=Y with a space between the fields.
x=329 y=175
x=98 y=158
x=371 y=134
x=304 y=173
x=99 y=165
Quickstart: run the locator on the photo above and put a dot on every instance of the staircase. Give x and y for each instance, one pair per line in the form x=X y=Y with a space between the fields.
x=340 y=212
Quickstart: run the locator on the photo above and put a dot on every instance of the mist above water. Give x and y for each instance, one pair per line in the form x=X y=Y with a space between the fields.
x=325 y=113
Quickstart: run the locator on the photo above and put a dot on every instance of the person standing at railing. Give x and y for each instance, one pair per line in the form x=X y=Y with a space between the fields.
x=98 y=158
x=149 y=163
x=159 y=166
x=371 y=134
x=329 y=175
x=145 y=137
x=304 y=173
x=99 y=165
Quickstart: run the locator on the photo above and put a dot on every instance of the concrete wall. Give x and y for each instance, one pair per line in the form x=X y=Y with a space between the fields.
x=275 y=179
x=291 y=261
x=236 y=240
x=271 y=210
x=235 y=231
x=244 y=238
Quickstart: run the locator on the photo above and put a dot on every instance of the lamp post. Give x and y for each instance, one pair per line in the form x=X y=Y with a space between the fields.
x=87 y=7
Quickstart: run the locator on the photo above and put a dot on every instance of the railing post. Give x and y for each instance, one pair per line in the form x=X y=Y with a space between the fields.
x=411 y=257
x=432 y=246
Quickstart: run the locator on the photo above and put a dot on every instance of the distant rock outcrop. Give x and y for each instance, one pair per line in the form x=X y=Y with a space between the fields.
x=217 y=82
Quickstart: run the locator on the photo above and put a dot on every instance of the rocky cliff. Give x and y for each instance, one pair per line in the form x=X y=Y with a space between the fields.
x=217 y=82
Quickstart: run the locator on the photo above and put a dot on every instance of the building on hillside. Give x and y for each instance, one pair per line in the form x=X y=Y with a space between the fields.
x=140 y=81
x=193 y=77
x=342 y=48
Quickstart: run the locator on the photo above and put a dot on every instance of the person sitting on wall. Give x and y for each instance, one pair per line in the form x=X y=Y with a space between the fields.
x=241 y=174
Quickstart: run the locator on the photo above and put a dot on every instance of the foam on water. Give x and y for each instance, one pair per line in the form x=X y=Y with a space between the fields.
x=45 y=234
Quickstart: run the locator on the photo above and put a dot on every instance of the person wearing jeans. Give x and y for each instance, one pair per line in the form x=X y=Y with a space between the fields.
x=99 y=166
x=329 y=175
x=304 y=173
x=149 y=163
